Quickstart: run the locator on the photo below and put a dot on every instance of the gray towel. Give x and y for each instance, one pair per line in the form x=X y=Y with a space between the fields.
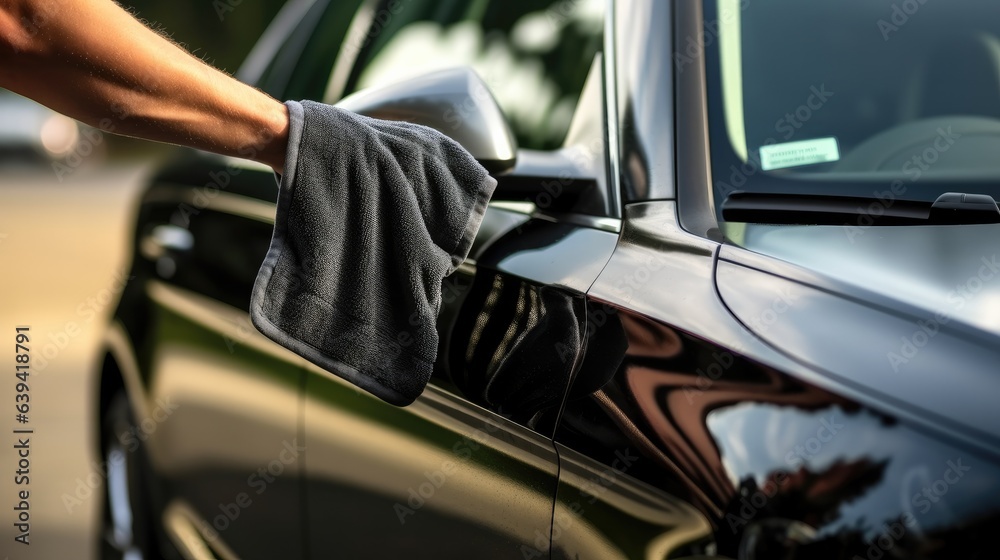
x=371 y=216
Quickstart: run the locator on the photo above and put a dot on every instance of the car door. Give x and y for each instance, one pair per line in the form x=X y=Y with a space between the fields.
x=469 y=469
x=229 y=445
x=228 y=399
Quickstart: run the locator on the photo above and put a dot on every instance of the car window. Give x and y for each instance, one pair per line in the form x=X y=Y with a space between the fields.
x=274 y=79
x=302 y=65
x=854 y=98
x=533 y=55
x=312 y=71
x=824 y=114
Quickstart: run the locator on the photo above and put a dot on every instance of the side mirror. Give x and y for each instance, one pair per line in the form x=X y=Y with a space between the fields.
x=454 y=102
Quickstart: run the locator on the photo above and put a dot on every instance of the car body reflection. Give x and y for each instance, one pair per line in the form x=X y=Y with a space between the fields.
x=759 y=451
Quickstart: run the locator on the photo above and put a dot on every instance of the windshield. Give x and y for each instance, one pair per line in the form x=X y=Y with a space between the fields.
x=854 y=97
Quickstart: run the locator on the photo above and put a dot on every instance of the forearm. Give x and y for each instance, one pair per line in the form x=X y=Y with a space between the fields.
x=91 y=60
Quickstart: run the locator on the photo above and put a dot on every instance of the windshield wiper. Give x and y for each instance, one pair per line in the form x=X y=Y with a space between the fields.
x=807 y=209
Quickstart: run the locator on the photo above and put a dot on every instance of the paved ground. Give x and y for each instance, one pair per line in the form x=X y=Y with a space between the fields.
x=62 y=256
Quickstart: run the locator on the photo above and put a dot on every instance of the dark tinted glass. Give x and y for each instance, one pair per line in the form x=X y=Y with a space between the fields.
x=865 y=95
x=312 y=71
x=302 y=66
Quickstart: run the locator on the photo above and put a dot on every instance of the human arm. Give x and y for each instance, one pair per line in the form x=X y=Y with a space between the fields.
x=93 y=61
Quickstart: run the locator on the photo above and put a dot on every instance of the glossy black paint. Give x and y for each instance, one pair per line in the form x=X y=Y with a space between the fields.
x=597 y=395
x=753 y=448
x=918 y=364
x=229 y=450
x=439 y=478
x=775 y=462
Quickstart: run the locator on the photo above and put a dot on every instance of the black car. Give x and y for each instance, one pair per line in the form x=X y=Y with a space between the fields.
x=736 y=296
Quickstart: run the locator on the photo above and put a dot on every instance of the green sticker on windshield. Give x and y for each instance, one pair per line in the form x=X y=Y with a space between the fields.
x=803 y=152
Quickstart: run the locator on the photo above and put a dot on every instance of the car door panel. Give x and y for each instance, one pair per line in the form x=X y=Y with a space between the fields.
x=767 y=461
x=777 y=460
x=440 y=476
x=512 y=328
x=375 y=475
x=227 y=446
x=469 y=469
x=601 y=512
x=556 y=253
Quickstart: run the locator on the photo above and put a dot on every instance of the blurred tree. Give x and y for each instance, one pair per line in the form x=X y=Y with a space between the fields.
x=221 y=32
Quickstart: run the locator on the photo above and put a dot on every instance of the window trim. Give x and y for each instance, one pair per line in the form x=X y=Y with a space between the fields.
x=347 y=58
x=274 y=37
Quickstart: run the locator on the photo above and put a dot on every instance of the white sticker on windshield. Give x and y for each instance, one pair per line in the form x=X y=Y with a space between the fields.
x=803 y=152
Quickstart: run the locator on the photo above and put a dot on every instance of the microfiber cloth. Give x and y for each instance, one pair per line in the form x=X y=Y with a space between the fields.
x=371 y=217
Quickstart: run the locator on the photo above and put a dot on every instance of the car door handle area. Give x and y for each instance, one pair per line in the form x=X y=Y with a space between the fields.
x=163 y=245
x=166 y=238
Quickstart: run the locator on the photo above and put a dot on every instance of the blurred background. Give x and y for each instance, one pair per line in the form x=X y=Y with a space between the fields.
x=67 y=194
